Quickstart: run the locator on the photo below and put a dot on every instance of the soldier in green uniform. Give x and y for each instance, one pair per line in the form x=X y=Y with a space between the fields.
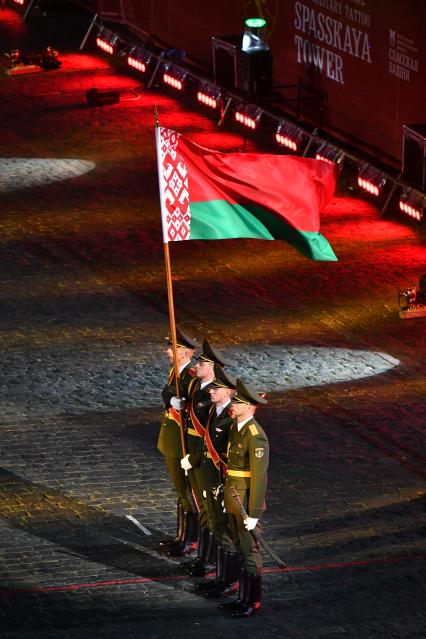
x=213 y=469
x=170 y=444
x=197 y=413
x=248 y=458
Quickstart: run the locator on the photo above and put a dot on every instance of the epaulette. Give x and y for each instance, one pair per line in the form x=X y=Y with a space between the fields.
x=253 y=429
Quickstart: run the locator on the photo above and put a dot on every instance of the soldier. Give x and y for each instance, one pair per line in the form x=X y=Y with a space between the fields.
x=248 y=458
x=170 y=444
x=197 y=413
x=213 y=471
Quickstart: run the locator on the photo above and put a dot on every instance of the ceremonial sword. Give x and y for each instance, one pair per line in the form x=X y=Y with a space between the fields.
x=255 y=533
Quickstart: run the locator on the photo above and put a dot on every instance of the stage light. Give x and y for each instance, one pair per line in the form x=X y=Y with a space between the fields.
x=329 y=153
x=139 y=59
x=107 y=40
x=174 y=76
x=371 y=179
x=413 y=204
x=289 y=135
x=19 y=1
x=209 y=94
x=248 y=115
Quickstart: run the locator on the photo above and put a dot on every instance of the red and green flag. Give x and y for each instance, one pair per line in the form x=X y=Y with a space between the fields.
x=209 y=195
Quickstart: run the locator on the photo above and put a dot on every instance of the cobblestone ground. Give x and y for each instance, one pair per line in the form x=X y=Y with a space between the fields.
x=82 y=326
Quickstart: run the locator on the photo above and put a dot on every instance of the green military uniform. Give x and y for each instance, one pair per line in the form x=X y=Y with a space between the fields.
x=248 y=458
x=197 y=413
x=169 y=440
x=213 y=472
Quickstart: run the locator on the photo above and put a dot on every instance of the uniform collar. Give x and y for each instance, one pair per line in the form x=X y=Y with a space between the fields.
x=240 y=425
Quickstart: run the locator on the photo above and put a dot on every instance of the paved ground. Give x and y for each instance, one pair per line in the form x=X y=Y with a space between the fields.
x=82 y=322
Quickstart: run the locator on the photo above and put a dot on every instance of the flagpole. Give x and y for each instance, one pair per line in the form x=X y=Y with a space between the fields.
x=171 y=314
x=173 y=335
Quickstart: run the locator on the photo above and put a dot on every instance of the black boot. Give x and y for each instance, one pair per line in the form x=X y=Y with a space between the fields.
x=198 y=567
x=228 y=583
x=188 y=542
x=251 y=601
x=205 y=585
x=167 y=544
x=238 y=603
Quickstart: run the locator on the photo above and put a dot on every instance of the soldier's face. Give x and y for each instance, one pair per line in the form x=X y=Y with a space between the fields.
x=203 y=370
x=219 y=394
x=182 y=354
x=241 y=411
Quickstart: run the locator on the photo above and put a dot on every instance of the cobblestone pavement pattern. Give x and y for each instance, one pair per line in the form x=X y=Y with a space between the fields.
x=82 y=326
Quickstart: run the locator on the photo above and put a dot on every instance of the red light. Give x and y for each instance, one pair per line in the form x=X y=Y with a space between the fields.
x=19 y=1
x=173 y=82
x=318 y=156
x=410 y=210
x=368 y=186
x=136 y=64
x=244 y=119
x=290 y=144
x=206 y=99
x=105 y=46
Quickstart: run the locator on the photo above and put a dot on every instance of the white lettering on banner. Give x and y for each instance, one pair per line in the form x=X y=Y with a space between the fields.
x=330 y=33
x=400 y=62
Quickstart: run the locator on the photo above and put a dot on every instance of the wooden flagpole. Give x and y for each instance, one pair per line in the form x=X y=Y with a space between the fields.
x=172 y=317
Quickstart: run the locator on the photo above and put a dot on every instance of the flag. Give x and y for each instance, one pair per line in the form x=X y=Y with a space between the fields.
x=209 y=195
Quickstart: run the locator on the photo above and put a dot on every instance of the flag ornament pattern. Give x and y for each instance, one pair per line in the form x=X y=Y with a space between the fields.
x=174 y=191
x=210 y=195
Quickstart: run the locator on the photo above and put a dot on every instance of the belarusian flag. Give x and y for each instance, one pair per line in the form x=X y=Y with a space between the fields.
x=208 y=195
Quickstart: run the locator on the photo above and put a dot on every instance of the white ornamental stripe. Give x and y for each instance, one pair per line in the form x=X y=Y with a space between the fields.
x=173 y=180
x=161 y=183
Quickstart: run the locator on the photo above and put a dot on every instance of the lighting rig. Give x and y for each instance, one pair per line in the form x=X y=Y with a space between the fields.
x=289 y=135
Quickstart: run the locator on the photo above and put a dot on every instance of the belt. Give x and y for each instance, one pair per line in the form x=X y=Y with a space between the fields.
x=193 y=432
x=239 y=473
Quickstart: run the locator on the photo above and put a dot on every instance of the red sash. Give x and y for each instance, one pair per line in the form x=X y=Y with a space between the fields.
x=195 y=421
x=217 y=460
x=174 y=414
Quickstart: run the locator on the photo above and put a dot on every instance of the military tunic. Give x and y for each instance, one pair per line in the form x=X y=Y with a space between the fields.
x=248 y=458
x=169 y=439
x=213 y=474
x=199 y=404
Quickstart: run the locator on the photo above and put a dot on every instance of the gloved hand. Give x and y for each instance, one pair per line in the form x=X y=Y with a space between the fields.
x=177 y=403
x=186 y=464
x=250 y=523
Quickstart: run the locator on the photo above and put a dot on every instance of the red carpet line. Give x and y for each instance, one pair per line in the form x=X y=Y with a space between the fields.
x=142 y=580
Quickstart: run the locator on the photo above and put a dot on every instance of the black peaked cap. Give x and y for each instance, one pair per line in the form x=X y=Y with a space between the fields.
x=222 y=379
x=210 y=355
x=247 y=395
x=183 y=340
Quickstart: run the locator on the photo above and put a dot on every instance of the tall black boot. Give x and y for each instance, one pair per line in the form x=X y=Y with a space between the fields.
x=202 y=586
x=167 y=544
x=253 y=595
x=198 y=567
x=228 y=583
x=189 y=536
x=242 y=593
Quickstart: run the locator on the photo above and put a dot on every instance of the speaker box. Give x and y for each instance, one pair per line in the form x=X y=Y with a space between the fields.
x=227 y=60
x=99 y=97
x=256 y=73
x=414 y=154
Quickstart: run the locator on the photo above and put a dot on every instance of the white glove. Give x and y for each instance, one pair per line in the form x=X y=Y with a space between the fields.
x=177 y=403
x=250 y=523
x=186 y=464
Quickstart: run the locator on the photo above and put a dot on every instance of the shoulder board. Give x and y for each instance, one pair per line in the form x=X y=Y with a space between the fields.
x=253 y=429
